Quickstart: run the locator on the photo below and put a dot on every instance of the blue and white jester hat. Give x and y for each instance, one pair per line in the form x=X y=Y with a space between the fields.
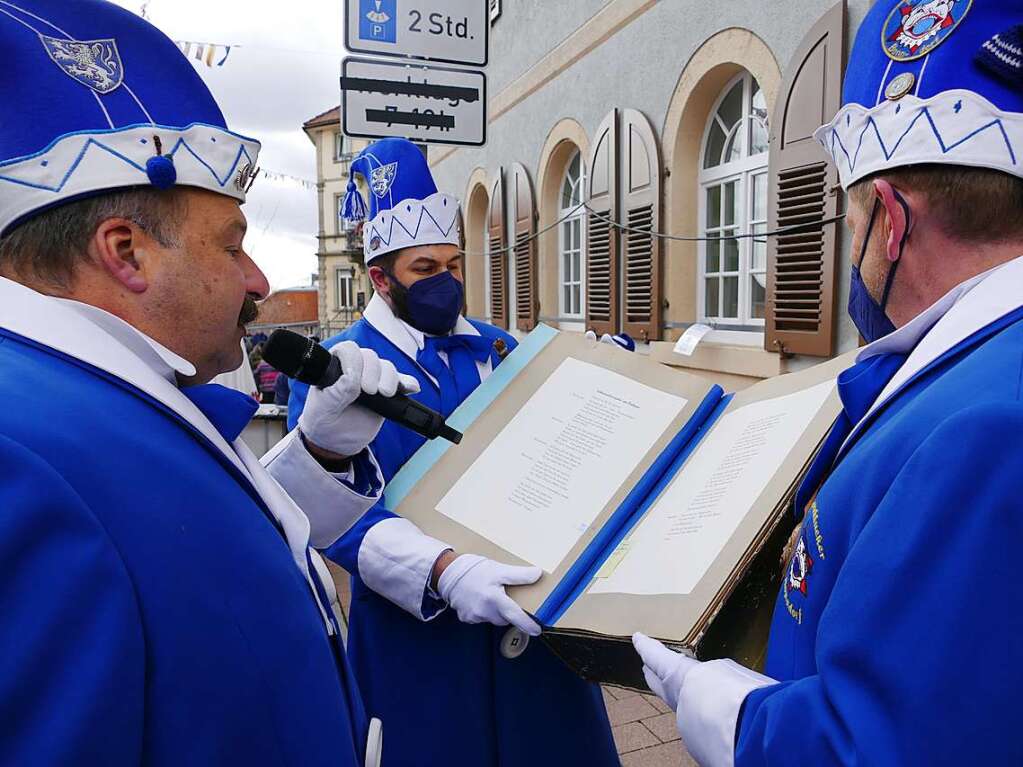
x=932 y=81
x=95 y=99
x=405 y=208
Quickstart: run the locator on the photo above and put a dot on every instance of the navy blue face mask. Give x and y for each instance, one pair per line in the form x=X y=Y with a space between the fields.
x=431 y=305
x=867 y=314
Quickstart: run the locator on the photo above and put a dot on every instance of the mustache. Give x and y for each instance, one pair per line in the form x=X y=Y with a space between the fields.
x=249 y=312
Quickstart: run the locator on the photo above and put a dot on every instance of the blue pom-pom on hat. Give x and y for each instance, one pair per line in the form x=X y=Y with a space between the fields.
x=161 y=171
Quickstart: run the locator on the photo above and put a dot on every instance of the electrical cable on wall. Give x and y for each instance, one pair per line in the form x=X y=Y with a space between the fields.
x=754 y=236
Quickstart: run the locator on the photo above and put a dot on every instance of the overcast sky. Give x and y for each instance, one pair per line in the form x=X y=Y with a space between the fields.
x=285 y=71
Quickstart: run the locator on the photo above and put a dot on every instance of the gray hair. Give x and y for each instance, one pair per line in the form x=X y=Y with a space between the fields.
x=49 y=246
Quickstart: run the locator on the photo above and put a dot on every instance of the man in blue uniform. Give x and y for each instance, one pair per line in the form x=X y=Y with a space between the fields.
x=441 y=671
x=161 y=602
x=896 y=635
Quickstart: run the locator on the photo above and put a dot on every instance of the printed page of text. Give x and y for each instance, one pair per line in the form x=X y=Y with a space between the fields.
x=685 y=530
x=550 y=472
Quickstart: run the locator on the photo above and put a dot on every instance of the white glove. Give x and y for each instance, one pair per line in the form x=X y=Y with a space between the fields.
x=331 y=420
x=474 y=587
x=664 y=669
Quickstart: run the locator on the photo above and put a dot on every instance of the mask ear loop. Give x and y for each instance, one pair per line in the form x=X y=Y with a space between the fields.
x=902 y=246
x=870 y=231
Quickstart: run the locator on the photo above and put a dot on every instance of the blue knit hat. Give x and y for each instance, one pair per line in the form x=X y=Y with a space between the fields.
x=96 y=99
x=405 y=208
x=932 y=81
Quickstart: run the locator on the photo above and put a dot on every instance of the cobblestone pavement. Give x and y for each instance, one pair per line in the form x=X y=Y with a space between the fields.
x=643 y=727
x=644 y=730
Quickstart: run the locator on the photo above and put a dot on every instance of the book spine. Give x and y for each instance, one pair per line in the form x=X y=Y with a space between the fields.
x=632 y=509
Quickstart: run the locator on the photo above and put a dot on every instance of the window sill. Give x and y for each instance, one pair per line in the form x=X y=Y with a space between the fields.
x=745 y=338
x=744 y=360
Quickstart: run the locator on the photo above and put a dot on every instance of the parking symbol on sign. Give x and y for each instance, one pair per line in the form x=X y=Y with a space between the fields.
x=378 y=20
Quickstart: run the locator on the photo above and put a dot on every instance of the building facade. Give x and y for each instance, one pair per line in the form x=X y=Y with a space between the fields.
x=612 y=119
x=344 y=286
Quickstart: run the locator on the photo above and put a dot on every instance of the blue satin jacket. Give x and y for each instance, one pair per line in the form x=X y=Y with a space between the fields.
x=152 y=613
x=897 y=633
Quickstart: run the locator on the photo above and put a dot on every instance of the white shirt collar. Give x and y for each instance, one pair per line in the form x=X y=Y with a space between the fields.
x=106 y=342
x=128 y=354
x=408 y=339
x=904 y=339
x=966 y=309
x=159 y=358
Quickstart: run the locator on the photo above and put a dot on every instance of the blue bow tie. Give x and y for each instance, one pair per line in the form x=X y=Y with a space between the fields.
x=228 y=410
x=478 y=346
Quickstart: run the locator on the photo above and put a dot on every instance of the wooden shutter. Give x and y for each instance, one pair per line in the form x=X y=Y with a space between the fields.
x=527 y=296
x=804 y=189
x=602 y=242
x=641 y=210
x=497 y=256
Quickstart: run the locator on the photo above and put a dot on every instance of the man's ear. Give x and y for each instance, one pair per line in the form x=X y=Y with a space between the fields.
x=896 y=217
x=381 y=283
x=116 y=248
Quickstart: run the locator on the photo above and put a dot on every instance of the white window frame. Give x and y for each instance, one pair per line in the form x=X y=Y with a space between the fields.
x=342 y=146
x=579 y=219
x=344 y=297
x=742 y=172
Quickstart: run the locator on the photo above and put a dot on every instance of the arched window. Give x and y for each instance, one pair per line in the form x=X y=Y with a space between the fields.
x=733 y=201
x=570 y=240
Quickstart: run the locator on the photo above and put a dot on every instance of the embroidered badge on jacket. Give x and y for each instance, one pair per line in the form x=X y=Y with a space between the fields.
x=799 y=569
x=94 y=63
x=916 y=27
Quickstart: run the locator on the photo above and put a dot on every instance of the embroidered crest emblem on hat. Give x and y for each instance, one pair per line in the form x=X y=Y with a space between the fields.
x=916 y=27
x=95 y=64
x=380 y=179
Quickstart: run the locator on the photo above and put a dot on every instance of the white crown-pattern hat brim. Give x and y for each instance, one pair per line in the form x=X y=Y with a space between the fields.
x=433 y=221
x=204 y=156
x=956 y=127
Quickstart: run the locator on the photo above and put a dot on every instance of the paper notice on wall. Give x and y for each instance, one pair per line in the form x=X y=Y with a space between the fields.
x=684 y=531
x=539 y=486
x=691 y=338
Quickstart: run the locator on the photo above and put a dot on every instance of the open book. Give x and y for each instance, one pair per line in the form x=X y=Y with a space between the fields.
x=652 y=500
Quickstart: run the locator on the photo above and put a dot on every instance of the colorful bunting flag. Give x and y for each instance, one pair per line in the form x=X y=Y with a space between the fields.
x=206 y=53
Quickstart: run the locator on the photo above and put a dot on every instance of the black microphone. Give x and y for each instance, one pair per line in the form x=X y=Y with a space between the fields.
x=299 y=357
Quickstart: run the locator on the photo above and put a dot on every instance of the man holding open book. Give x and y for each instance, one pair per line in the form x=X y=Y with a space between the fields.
x=466 y=690
x=895 y=637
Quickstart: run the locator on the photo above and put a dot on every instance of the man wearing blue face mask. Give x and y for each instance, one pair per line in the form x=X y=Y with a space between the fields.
x=438 y=671
x=896 y=632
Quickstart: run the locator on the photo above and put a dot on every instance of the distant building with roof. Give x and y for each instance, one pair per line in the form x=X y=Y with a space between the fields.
x=296 y=309
x=344 y=287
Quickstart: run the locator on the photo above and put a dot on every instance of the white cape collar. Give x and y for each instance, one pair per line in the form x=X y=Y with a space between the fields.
x=110 y=345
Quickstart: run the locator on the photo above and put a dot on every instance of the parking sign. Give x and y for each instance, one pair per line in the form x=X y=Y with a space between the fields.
x=378 y=20
x=452 y=31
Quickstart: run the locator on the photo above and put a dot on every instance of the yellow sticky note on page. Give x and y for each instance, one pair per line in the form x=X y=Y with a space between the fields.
x=612 y=562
